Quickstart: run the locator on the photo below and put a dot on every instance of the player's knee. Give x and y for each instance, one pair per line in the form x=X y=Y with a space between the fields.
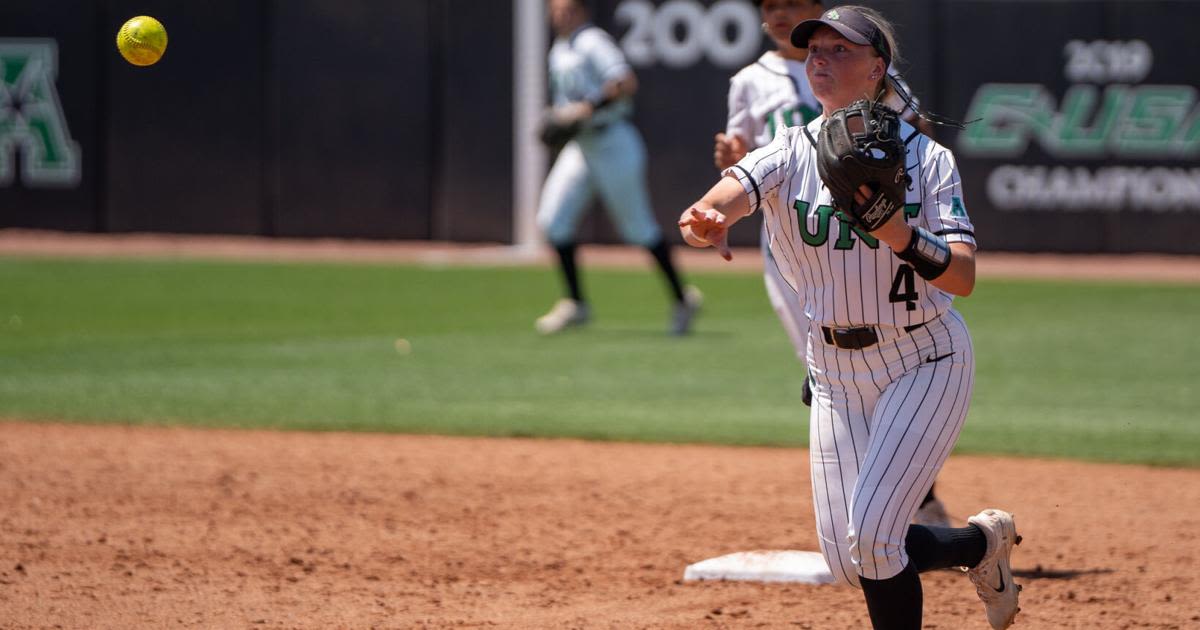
x=837 y=557
x=544 y=220
x=876 y=557
x=843 y=570
x=554 y=231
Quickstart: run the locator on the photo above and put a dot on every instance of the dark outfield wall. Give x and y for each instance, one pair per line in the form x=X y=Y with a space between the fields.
x=684 y=53
x=356 y=118
x=1089 y=138
x=381 y=119
x=58 y=188
x=1090 y=130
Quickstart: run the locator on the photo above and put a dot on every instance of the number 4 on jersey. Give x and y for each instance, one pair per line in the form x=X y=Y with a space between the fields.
x=904 y=288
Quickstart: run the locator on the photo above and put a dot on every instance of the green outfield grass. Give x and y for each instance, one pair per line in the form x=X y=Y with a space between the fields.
x=1088 y=370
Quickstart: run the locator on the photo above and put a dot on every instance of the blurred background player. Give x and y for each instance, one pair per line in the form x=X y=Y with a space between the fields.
x=770 y=94
x=592 y=84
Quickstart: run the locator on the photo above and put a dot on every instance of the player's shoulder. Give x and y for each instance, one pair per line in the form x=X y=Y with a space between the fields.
x=559 y=46
x=924 y=150
x=745 y=75
x=794 y=140
x=745 y=82
x=805 y=136
x=921 y=144
x=757 y=70
x=591 y=36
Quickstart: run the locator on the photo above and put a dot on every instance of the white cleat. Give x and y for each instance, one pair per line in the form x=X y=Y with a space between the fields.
x=685 y=311
x=932 y=514
x=993 y=577
x=565 y=313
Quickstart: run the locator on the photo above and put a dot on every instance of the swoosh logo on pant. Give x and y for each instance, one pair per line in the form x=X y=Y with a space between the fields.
x=935 y=360
x=1001 y=570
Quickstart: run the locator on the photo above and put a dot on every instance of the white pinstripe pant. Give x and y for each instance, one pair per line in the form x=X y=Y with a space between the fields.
x=884 y=420
x=611 y=162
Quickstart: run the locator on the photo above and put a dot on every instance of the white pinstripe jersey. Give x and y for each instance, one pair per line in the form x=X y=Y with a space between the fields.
x=770 y=93
x=581 y=64
x=849 y=278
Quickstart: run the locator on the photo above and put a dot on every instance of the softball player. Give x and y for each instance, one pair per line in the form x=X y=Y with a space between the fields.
x=591 y=82
x=771 y=94
x=891 y=362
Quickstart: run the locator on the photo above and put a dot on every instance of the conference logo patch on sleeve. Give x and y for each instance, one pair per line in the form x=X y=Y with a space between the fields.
x=956 y=207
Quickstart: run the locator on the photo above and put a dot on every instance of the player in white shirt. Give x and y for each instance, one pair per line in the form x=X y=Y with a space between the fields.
x=892 y=364
x=770 y=94
x=592 y=83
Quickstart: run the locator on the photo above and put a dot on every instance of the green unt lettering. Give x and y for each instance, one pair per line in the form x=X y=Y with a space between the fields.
x=1144 y=121
x=32 y=123
x=846 y=231
x=846 y=239
x=818 y=238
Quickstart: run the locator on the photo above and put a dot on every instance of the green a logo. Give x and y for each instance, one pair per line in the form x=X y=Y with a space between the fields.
x=32 y=123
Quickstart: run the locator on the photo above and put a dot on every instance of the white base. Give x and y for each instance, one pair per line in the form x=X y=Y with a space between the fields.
x=805 y=567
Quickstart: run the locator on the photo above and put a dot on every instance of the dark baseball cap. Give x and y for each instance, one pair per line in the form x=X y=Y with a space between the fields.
x=851 y=24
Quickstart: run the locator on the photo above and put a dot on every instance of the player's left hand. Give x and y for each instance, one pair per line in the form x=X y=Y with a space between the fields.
x=895 y=232
x=706 y=228
x=577 y=112
x=560 y=124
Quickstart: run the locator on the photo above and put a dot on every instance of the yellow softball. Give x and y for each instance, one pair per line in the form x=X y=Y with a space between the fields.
x=142 y=40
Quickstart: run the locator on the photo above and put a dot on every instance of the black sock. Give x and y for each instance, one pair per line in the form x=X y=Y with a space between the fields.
x=894 y=603
x=929 y=496
x=662 y=254
x=931 y=548
x=566 y=260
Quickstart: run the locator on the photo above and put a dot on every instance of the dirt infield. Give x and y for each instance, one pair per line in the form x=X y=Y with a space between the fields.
x=120 y=527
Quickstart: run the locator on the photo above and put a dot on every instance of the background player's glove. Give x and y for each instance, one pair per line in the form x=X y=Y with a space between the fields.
x=860 y=144
x=560 y=124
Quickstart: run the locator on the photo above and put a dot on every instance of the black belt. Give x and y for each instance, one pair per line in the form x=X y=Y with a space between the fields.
x=857 y=338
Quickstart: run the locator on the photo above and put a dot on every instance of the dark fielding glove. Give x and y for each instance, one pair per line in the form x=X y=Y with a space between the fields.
x=556 y=131
x=860 y=144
